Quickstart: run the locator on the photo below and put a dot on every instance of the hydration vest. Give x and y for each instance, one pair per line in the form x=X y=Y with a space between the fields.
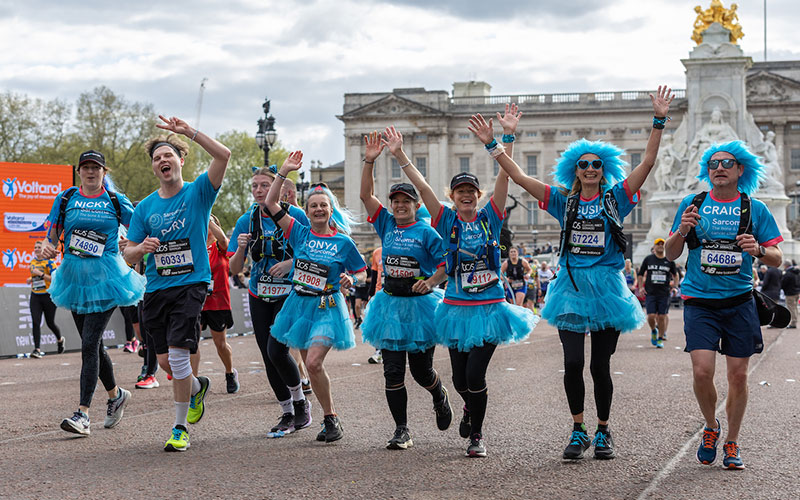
x=489 y=252
x=745 y=219
x=62 y=210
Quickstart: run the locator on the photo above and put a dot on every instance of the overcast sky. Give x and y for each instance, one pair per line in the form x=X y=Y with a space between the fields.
x=306 y=55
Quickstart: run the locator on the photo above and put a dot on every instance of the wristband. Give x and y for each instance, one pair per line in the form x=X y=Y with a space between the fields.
x=355 y=279
x=491 y=145
x=508 y=138
x=195 y=135
x=497 y=150
x=280 y=175
x=405 y=164
x=660 y=121
x=368 y=162
x=683 y=235
x=277 y=215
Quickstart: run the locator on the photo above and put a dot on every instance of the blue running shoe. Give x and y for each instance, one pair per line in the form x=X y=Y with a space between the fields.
x=707 y=452
x=603 y=445
x=654 y=336
x=732 y=458
x=578 y=443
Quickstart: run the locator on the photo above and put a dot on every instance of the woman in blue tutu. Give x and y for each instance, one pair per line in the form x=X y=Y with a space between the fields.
x=398 y=320
x=93 y=279
x=314 y=318
x=474 y=317
x=590 y=293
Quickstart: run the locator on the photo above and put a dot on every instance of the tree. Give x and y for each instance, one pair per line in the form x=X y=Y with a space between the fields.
x=32 y=130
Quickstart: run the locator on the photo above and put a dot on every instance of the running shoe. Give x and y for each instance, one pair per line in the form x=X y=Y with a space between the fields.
x=476 y=448
x=232 y=381
x=578 y=444
x=660 y=344
x=116 y=407
x=603 y=445
x=36 y=354
x=60 y=345
x=196 y=405
x=707 y=452
x=284 y=426
x=376 y=358
x=302 y=414
x=128 y=347
x=143 y=374
x=179 y=440
x=444 y=413
x=149 y=382
x=465 y=426
x=78 y=423
x=654 y=336
x=401 y=439
x=142 y=351
x=732 y=458
x=332 y=429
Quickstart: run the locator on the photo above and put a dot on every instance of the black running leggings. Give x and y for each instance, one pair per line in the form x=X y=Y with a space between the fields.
x=420 y=365
x=41 y=303
x=131 y=316
x=148 y=344
x=604 y=343
x=469 y=379
x=281 y=368
x=95 y=360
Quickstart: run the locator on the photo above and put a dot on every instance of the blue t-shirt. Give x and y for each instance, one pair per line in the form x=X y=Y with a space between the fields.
x=181 y=225
x=486 y=282
x=418 y=243
x=594 y=237
x=320 y=259
x=91 y=227
x=269 y=230
x=719 y=219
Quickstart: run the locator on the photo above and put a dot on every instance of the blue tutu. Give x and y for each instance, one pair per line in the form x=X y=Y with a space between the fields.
x=604 y=301
x=401 y=323
x=465 y=327
x=301 y=323
x=90 y=285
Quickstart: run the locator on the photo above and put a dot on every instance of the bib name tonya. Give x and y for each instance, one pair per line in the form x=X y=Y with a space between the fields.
x=323 y=245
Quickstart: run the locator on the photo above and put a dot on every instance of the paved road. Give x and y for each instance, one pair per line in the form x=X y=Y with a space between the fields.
x=655 y=421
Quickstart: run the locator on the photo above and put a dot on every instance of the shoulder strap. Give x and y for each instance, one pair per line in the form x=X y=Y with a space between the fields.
x=65 y=197
x=745 y=216
x=117 y=207
x=692 y=241
x=570 y=215
x=611 y=211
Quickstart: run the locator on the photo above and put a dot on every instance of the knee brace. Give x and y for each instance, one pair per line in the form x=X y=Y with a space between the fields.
x=179 y=362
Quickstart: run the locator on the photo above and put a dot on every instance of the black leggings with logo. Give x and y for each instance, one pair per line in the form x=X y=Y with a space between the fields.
x=281 y=368
x=41 y=303
x=604 y=343
x=95 y=360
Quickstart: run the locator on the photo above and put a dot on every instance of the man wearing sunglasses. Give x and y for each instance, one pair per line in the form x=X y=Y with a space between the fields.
x=725 y=230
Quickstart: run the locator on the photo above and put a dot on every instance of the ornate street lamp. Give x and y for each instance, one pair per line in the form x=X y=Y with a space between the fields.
x=266 y=135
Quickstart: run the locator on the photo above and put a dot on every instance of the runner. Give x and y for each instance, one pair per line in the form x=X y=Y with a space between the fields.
x=474 y=317
x=255 y=235
x=657 y=277
x=40 y=302
x=315 y=317
x=725 y=230
x=172 y=225
x=216 y=313
x=590 y=292
x=376 y=268
x=517 y=271
x=93 y=279
x=398 y=318
x=545 y=275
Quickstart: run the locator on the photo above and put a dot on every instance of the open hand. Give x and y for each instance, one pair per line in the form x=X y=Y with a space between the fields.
x=393 y=140
x=510 y=119
x=374 y=146
x=662 y=100
x=689 y=219
x=293 y=162
x=481 y=129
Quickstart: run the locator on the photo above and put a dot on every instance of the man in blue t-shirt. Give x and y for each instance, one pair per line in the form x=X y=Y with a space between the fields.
x=724 y=230
x=172 y=225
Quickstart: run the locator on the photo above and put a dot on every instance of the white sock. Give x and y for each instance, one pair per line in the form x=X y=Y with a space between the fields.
x=297 y=393
x=305 y=381
x=181 y=410
x=195 y=385
x=287 y=406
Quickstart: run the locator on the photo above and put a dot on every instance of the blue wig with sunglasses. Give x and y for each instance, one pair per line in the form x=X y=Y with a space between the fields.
x=753 y=167
x=613 y=164
x=341 y=218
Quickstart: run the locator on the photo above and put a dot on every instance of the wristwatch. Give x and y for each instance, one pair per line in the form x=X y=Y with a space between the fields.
x=761 y=252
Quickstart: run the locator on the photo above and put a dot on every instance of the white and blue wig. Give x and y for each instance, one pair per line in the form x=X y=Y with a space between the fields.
x=613 y=164
x=341 y=218
x=753 y=167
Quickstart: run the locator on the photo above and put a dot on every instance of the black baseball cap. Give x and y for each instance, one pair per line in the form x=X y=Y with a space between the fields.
x=92 y=156
x=465 y=178
x=405 y=188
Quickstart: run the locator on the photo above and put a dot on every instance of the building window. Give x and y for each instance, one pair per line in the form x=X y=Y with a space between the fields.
x=422 y=165
x=636 y=131
x=395 y=169
x=763 y=128
x=636 y=159
x=794 y=126
x=794 y=207
x=599 y=132
x=421 y=137
x=532 y=163
x=530 y=134
x=566 y=132
x=533 y=213
x=463 y=164
x=463 y=136
x=636 y=214
x=795 y=161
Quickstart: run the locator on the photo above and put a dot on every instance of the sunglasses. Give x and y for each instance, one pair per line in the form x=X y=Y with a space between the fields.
x=318 y=184
x=726 y=163
x=595 y=164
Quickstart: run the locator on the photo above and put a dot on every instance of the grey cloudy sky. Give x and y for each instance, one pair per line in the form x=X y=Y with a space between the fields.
x=306 y=55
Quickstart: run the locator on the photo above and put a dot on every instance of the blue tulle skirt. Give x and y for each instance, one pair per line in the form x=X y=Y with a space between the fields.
x=301 y=323
x=401 y=323
x=90 y=285
x=604 y=301
x=465 y=327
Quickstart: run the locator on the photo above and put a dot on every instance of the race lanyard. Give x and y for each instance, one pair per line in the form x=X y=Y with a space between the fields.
x=400 y=266
x=476 y=276
x=720 y=257
x=271 y=287
x=588 y=237
x=174 y=258
x=310 y=274
x=87 y=243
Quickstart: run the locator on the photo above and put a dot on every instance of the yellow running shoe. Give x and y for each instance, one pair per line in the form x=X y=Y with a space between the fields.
x=196 y=406
x=179 y=441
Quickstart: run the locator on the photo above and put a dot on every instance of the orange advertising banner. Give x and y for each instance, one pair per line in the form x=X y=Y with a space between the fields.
x=29 y=191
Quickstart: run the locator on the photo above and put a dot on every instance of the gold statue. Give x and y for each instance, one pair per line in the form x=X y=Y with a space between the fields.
x=717 y=13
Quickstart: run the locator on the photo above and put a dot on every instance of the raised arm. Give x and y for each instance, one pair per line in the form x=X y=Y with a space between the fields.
x=374 y=148
x=483 y=131
x=394 y=141
x=661 y=104
x=219 y=235
x=219 y=153
x=293 y=162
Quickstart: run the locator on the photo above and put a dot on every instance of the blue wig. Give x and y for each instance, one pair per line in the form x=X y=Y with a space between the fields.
x=613 y=165
x=341 y=218
x=753 y=167
x=423 y=214
x=109 y=184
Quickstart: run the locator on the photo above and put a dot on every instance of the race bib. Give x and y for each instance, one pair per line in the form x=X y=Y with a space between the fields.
x=38 y=284
x=588 y=237
x=399 y=266
x=658 y=277
x=517 y=284
x=270 y=287
x=310 y=275
x=174 y=258
x=477 y=277
x=720 y=258
x=87 y=243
